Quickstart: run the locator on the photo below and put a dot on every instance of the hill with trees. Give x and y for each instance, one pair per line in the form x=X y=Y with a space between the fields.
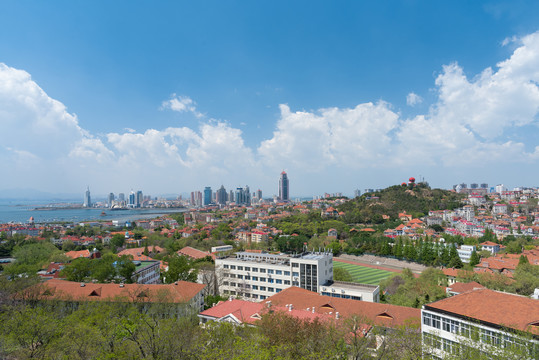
x=415 y=199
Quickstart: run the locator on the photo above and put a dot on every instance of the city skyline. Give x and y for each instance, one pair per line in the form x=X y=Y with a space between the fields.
x=342 y=96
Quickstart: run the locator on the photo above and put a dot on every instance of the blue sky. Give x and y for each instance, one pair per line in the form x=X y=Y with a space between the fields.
x=170 y=96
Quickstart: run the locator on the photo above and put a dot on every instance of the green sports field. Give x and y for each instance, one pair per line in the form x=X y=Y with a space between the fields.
x=364 y=274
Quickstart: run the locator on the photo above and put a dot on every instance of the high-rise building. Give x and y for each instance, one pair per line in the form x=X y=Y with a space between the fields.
x=243 y=196
x=139 y=199
x=357 y=192
x=196 y=198
x=110 y=199
x=231 y=196
x=283 y=187
x=132 y=199
x=87 y=198
x=121 y=197
x=259 y=194
x=221 y=195
x=207 y=195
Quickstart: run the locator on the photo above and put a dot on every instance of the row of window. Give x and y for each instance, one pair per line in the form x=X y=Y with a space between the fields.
x=514 y=347
x=343 y=296
x=255 y=269
x=253 y=287
x=254 y=296
x=473 y=333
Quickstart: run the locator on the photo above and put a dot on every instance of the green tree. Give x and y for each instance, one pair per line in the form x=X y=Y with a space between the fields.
x=474 y=259
x=341 y=274
x=179 y=268
x=126 y=268
x=118 y=240
x=79 y=270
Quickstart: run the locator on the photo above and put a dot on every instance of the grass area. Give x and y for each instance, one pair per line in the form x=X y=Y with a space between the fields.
x=364 y=274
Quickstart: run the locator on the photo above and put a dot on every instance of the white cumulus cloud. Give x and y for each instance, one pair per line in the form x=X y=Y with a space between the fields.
x=412 y=99
x=181 y=104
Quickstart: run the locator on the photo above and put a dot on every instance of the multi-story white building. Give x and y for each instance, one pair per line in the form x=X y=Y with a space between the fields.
x=465 y=252
x=481 y=324
x=257 y=276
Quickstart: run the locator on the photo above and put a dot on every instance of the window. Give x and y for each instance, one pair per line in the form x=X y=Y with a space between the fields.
x=287 y=282
x=271 y=281
x=255 y=269
x=287 y=273
x=240 y=267
x=432 y=320
x=225 y=266
x=263 y=297
x=270 y=289
x=240 y=276
x=296 y=274
x=295 y=265
x=255 y=287
x=255 y=278
x=262 y=270
x=278 y=272
x=233 y=267
x=270 y=271
x=247 y=277
x=262 y=288
x=263 y=279
x=278 y=281
x=247 y=268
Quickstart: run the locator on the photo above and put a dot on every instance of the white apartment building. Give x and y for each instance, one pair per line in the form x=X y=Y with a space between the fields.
x=465 y=252
x=256 y=276
x=481 y=323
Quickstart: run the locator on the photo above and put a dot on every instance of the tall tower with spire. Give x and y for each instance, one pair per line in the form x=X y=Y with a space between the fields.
x=283 y=187
x=87 y=198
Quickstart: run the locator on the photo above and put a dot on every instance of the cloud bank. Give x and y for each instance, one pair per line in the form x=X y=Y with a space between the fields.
x=469 y=129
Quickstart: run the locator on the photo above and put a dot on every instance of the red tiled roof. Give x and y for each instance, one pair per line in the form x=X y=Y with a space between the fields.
x=380 y=314
x=181 y=291
x=78 y=254
x=493 y=307
x=194 y=253
x=460 y=288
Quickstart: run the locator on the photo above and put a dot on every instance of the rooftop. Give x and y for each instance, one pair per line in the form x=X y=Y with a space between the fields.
x=179 y=292
x=493 y=307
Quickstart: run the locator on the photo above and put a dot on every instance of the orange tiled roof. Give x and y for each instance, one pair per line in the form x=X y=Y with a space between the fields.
x=492 y=307
x=181 y=291
x=193 y=253
x=380 y=314
x=78 y=254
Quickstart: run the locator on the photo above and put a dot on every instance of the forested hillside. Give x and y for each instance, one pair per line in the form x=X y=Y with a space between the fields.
x=415 y=199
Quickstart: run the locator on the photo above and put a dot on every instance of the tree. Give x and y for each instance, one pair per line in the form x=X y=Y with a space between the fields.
x=341 y=274
x=118 y=240
x=523 y=260
x=179 y=268
x=474 y=259
x=125 y=268
x=79 y=270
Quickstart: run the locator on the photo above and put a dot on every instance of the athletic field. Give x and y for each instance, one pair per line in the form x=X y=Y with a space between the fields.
x=363 y=274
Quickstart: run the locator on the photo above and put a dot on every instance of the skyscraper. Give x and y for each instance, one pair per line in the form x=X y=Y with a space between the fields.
x=139 y=199
x=283 y=187
x=207 y=195
x=87 y=198
x=110 y=199
x=131 y=199
x=221 y=195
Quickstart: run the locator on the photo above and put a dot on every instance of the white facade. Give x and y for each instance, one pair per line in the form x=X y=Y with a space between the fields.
x=257 y=276
x=465 y=252
x=346 y=290
x=445 y=334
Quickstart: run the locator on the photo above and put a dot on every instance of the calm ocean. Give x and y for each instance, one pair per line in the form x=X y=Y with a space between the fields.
x=20 y=212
